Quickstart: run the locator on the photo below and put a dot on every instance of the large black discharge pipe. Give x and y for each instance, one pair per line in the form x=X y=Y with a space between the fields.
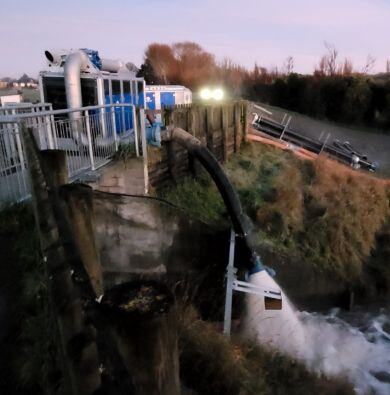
x=240 y=221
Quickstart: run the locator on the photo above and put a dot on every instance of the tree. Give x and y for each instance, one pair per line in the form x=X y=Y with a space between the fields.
x=185 y=63
x=369 y=65
x=163 y=62
x=288 y=65
x=328 y=62
x=232 y=75
x=356 y=101
x=195 y=65
x=347 y=68
x=147 y=72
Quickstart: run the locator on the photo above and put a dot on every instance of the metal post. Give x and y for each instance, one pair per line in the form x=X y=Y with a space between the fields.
x=114 y=128
x=122 y=109
x=230 y=276
x=18 y=154
x=53 y=128
x=90 y=147
x=135 y=127
x=144 y=149
x=323 y=145
x=285 y=128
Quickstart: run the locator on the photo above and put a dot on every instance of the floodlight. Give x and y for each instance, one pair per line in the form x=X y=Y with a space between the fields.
x=205 y=94
x=218 y=94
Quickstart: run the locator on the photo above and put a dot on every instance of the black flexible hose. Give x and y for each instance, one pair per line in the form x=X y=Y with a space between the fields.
x=240 y=221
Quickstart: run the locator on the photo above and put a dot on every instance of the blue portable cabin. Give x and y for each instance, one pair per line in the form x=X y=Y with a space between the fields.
x=160 y=96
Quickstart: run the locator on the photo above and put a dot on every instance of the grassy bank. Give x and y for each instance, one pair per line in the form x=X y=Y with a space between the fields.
x=319 y=211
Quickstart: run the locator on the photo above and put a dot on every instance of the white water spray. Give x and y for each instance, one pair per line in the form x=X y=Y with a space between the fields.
x=327 y=344
x=279 y=329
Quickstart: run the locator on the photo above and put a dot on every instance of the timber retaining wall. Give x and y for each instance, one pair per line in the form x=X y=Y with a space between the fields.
x=221 y=127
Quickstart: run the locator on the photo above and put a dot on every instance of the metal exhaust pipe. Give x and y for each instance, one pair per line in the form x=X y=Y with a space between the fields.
x=56 y=58
x=75 y=61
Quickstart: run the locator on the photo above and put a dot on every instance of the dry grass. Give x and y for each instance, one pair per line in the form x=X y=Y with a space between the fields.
x=287 y=206
x=322 y=212
x=355 y=208
x=327 y=212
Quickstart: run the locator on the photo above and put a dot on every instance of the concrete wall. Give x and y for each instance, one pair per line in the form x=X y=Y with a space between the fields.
x=119 y=176
x=221 y=127
x=145 y=236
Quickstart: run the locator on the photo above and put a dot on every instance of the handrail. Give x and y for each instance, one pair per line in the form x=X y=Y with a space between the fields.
x=88 y=143
x=24 y=105
x=18 y=117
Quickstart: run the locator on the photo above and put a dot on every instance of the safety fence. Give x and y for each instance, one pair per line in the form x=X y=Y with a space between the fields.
x=90 y=136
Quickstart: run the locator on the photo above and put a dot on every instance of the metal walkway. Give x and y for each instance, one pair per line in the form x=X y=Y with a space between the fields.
x=90 y=140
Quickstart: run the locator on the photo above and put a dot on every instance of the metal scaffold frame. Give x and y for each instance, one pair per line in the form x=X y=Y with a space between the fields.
x=233 y=284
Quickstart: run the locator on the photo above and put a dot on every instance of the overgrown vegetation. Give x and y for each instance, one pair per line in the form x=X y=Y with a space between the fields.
x=211 y=364
x=320 y=211
x=28 y=343
x=126 y=151
x=199 y=198
x=325 y=211
x=357 y=99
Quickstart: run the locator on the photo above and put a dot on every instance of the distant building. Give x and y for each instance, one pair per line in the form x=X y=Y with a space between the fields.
x=26 y=82
x=19 y=85
x=9 y=97
x=23 y=82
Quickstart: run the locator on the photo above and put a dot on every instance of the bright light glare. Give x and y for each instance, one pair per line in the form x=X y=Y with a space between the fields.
x=205 y=94
x=218 y=94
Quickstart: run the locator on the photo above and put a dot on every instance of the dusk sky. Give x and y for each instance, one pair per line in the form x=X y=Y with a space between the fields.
x=248 y=31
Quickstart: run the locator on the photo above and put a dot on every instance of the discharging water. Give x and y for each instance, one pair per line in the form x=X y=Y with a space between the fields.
x=352 y=345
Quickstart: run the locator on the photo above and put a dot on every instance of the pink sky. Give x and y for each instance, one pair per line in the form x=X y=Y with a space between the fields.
x=247 y=31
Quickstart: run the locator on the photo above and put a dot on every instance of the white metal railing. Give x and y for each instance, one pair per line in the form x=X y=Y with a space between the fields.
x=24 y=108
x=90 y=137
x=13 y=170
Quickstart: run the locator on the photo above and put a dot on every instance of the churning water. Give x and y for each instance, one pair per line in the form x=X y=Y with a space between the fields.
x=353 y=345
